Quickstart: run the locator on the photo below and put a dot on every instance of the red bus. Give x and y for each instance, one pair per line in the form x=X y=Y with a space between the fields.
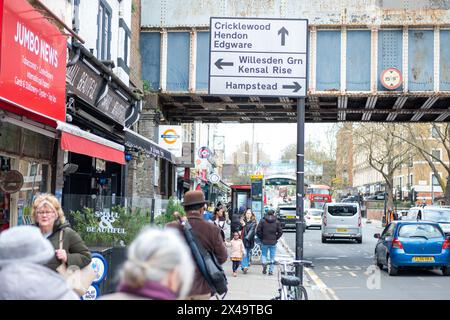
x=317 y=195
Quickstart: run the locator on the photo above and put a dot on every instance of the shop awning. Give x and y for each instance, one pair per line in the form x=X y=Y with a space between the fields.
x=135 y=140
x=79 y=141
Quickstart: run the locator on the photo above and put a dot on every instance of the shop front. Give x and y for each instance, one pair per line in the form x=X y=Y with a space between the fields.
x=32 y=101
x=100 y=107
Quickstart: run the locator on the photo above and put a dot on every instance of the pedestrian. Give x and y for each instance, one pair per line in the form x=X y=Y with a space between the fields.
x=207 y=234
x=49 y=217
x=269 y=231
x=237 y=251
x=207 y=215
x=248 y=233
x=220 y=221
x=158 y=267
x=23 y=276
x=236 y=220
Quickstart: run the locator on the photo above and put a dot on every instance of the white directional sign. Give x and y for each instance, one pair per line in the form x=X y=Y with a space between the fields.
x=258 y=57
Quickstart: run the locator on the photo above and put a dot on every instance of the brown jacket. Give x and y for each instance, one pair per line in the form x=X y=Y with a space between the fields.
x=208 y=234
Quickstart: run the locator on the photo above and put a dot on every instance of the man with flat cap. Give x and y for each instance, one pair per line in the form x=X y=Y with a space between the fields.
x=207 y=233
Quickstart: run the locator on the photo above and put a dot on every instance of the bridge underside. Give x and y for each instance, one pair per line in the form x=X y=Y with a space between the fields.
x=185 y=108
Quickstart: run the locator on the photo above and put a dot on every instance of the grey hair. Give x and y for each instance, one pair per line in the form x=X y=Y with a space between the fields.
x=154 y=254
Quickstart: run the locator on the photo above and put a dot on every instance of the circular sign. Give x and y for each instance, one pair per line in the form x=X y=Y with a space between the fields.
x=92 y=293
x=204 y=153
x=170 y=136
x=100 y=267
x=214 y=178
x=11 y=181
x=391 y=78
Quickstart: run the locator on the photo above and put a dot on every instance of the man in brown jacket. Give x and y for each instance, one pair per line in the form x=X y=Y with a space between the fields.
x=207 y=233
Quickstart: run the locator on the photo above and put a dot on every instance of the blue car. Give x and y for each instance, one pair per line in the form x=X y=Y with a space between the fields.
x=412 y=244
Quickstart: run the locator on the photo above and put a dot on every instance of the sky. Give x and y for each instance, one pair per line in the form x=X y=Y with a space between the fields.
x=274 y=137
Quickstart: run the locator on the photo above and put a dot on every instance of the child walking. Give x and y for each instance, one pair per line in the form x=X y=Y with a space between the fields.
x=237 y=251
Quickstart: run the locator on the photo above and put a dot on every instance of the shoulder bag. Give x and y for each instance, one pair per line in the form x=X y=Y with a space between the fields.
x=207 y=263
x=78 y=279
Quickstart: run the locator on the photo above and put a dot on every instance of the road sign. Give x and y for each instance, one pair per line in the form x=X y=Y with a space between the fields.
x=204 y=153
x=391 y=78
x=258 y=57
x=214 y=178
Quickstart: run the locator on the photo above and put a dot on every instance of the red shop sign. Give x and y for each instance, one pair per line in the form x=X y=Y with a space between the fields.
x=32 y=60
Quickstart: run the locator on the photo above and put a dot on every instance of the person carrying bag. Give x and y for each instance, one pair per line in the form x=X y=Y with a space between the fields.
x=207 y=262
x=78 y=279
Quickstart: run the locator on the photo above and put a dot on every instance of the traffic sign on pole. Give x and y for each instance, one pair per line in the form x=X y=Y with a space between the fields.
x=258 y=57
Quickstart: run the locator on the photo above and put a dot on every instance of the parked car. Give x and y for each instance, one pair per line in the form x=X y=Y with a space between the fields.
x=341 y=221
x=287 y=214
x=431 y=213
x=412 y=244
x=313 y=218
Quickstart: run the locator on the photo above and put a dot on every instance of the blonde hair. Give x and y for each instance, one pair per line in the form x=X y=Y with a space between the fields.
x=155 y=253
x=51 y=200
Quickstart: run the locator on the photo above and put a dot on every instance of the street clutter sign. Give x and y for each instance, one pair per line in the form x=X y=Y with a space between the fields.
x=204 y=153
x=391 y=78
x=170 y=138
x=258 y=57
x=214 y=178
x=33 y=61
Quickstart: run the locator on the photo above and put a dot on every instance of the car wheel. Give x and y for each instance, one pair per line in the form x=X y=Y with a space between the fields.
x=377 y=262
x=446 y=271
x=392 y=271
x=359 y=240
x=324 y=240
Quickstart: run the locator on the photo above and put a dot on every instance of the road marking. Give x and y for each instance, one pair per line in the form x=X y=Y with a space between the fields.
x=327 y=292
x=420 y=278
x=353 y=275
x=326 y=258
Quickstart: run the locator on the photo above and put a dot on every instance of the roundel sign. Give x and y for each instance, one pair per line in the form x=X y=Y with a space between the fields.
x=214 y=178
x=204 y=153
x=170 y=136
x=391 y=78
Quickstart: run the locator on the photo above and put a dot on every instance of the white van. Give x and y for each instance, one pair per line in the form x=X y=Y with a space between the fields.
x=431 y=213
x=341 y=221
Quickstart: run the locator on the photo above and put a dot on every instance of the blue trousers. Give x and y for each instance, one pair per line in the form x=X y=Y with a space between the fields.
x=272 y=251
x=246 y=258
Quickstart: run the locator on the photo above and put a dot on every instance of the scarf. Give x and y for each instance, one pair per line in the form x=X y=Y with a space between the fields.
x=151 y=289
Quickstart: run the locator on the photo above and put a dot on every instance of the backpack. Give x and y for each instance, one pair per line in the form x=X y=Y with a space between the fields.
x=207 y=263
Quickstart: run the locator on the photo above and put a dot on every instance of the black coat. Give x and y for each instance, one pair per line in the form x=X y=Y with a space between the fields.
x=248 y=234
x=269 y=230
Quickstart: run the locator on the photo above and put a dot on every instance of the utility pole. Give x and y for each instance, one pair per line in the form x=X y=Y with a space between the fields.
x=300 y=186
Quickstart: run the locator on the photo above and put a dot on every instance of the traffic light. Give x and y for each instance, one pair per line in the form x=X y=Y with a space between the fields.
x=414 y=195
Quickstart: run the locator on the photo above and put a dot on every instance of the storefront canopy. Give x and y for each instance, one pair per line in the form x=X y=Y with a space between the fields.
x=79 y=141
x=135 y=140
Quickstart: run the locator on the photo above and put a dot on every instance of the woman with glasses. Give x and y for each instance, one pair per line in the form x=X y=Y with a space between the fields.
x=49 y=217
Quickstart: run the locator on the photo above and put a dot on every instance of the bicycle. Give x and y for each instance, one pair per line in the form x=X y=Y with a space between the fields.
x=290 y=287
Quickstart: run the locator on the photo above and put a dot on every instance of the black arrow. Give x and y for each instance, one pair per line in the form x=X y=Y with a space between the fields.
x=296 y=86
x=283 y=33
x=219 y=63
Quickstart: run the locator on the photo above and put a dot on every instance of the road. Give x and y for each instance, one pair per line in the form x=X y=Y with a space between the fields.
x=347 y=269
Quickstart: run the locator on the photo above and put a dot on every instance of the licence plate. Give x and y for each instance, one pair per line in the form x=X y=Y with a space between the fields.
x=423 y=259
x=290 y=217
x=341 y=230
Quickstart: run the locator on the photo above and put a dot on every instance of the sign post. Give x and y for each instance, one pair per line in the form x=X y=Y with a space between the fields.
x=258 y=57
x=264 y=57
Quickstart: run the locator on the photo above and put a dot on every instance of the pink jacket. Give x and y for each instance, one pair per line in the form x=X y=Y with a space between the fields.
x=237 y=248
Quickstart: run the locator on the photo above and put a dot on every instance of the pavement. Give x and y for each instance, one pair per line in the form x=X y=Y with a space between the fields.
x=256 y=286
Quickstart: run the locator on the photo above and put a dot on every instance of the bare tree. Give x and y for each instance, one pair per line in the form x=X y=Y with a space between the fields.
x=379 y=144
x=424 y=138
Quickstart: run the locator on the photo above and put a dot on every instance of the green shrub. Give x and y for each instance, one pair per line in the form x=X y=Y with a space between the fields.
x=132 y=221
x=174 y=205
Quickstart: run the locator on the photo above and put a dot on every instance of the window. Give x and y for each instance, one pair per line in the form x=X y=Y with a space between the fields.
x=426 y=231
x=436 y=154
x=435 y=132
x=342 y=211
x=434 y=179
x=389 y=231
x=123 y=60
x=104 y=31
